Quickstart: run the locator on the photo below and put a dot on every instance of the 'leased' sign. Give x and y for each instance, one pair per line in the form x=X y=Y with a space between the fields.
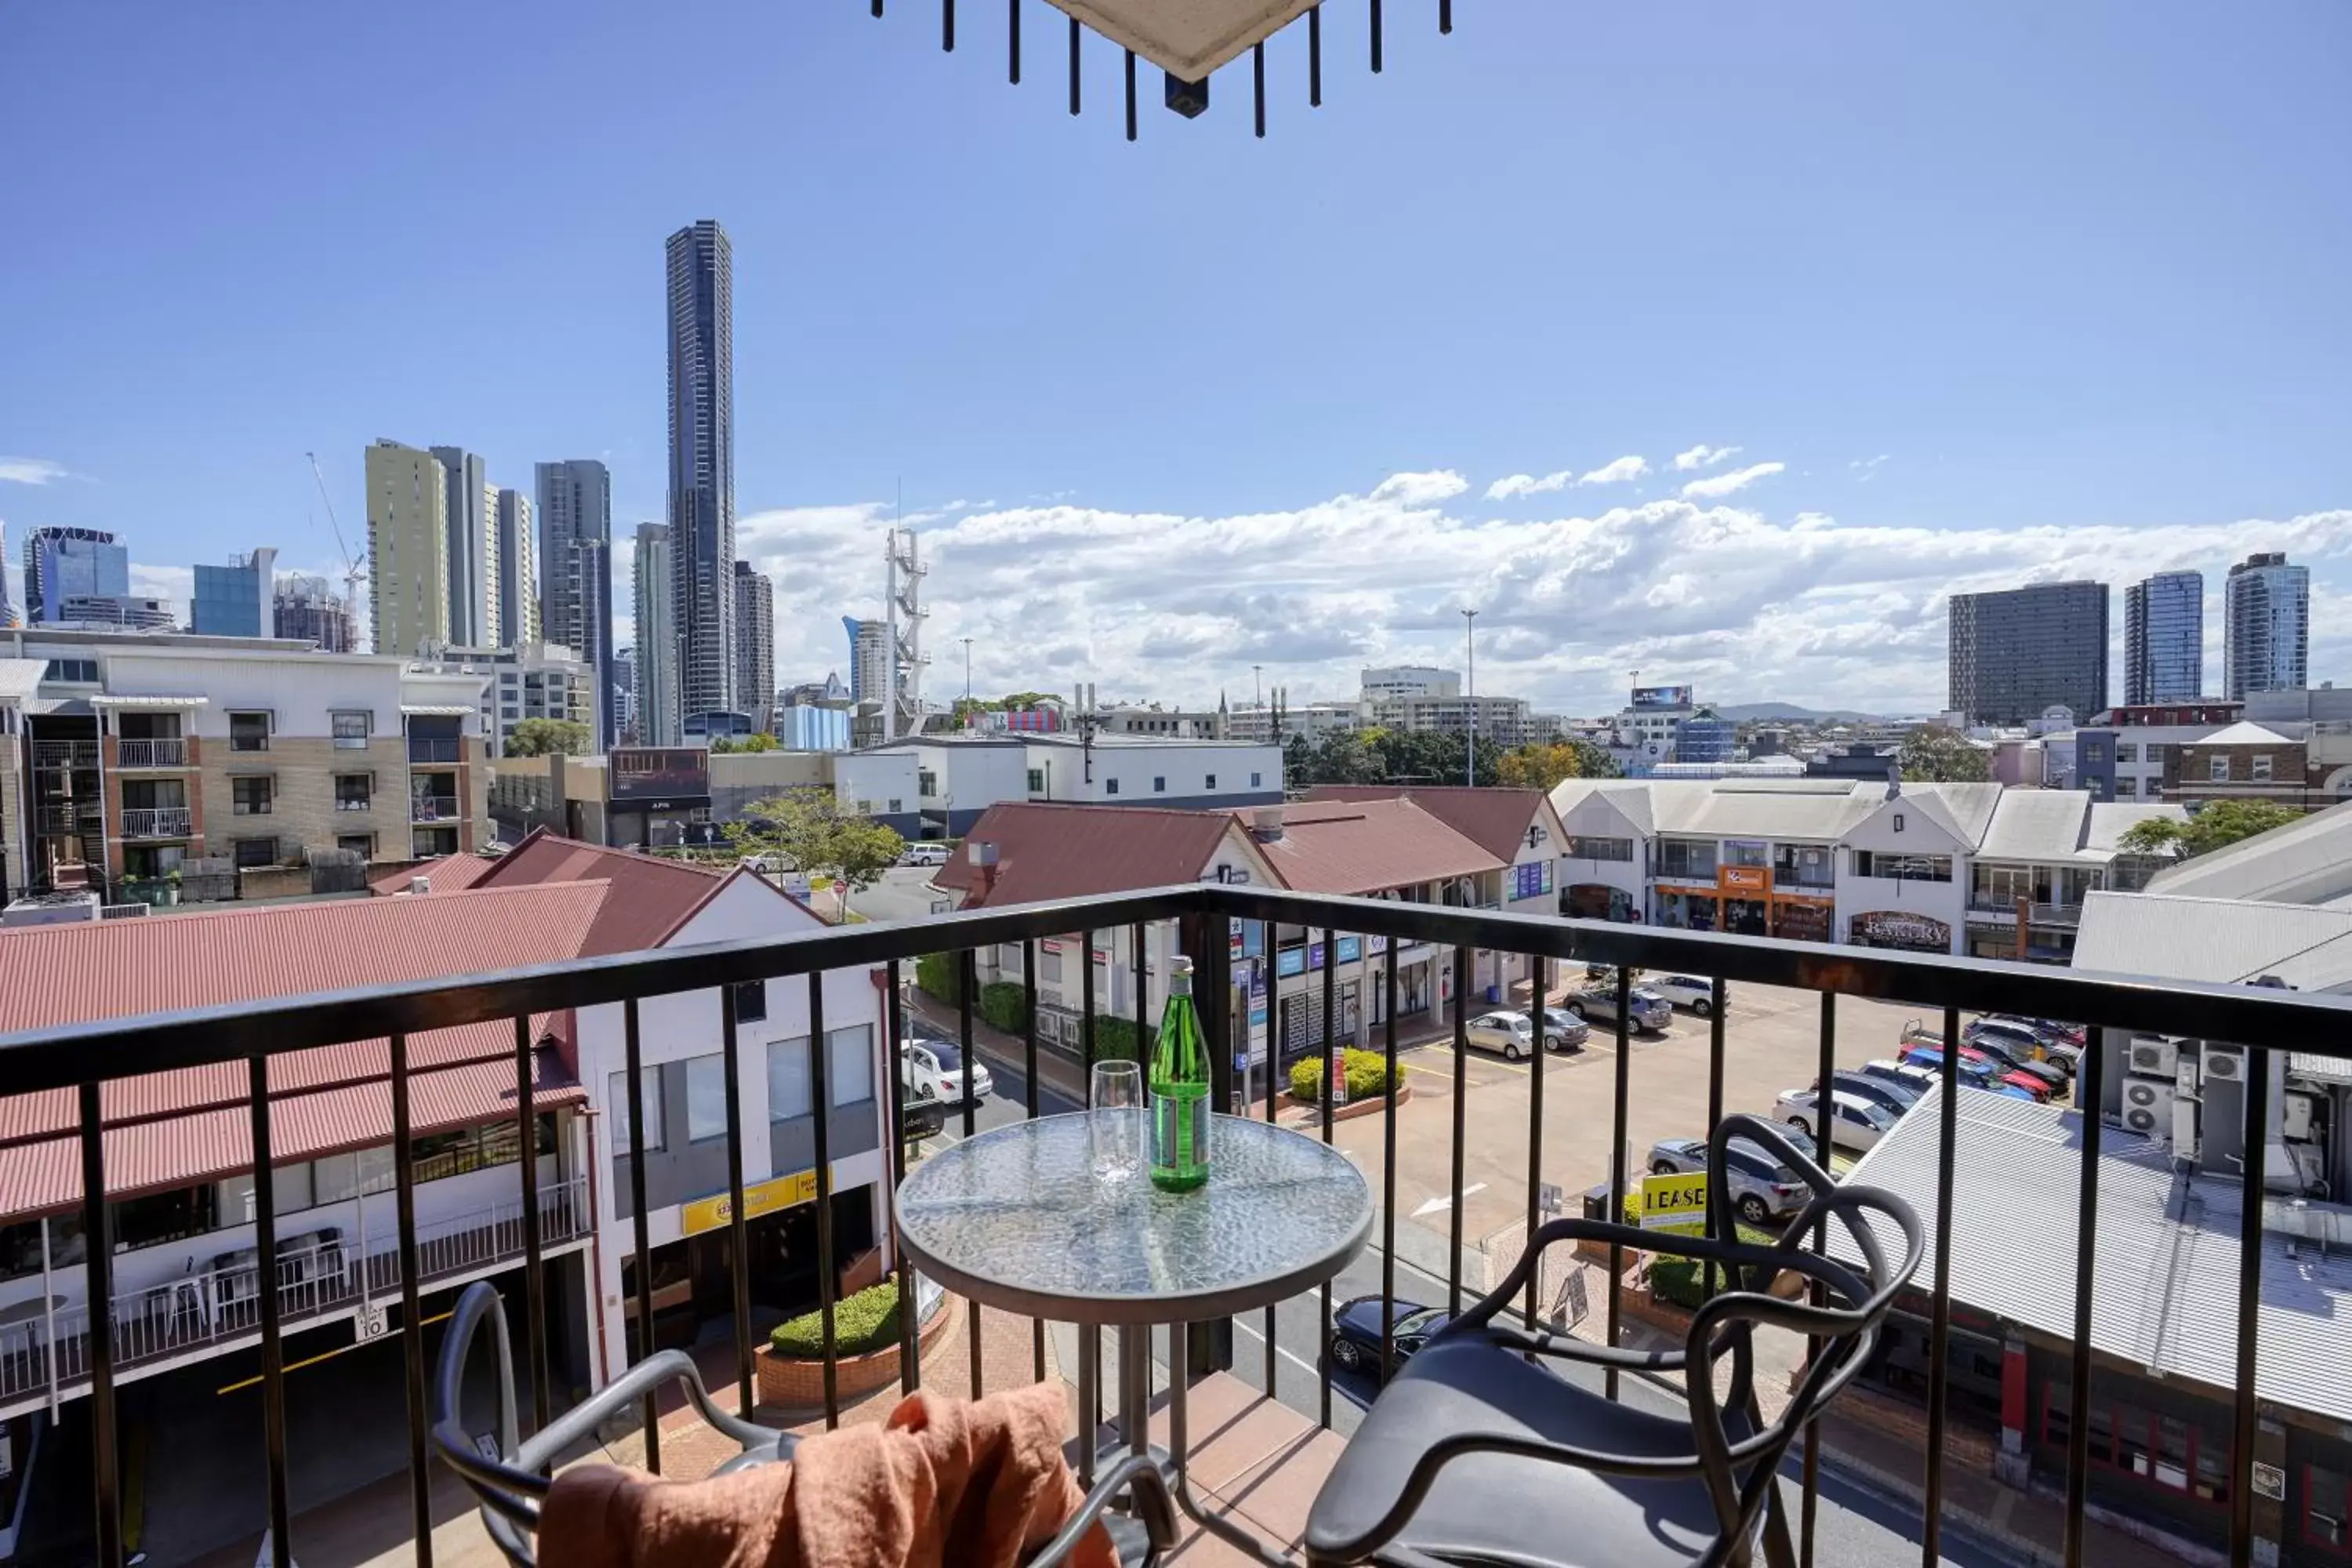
x=1675 y=1203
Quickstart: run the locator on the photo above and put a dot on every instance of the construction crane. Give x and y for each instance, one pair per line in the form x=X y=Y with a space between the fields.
x=355 y=569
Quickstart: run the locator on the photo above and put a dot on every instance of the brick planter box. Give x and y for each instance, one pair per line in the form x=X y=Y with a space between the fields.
x=1354 y=1108
x=798 y=1382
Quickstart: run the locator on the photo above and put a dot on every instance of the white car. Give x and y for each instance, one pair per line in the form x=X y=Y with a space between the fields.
x=1854 y=1122
x=937 y=1065
x=1692 y=990
x=1509 y=1033
x=924 y=854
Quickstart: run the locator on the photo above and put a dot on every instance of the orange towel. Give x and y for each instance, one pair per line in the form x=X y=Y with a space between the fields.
x=943 y=1482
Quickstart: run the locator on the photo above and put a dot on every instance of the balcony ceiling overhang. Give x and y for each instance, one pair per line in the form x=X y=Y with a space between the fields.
x=130 y=700
x=1186 y=38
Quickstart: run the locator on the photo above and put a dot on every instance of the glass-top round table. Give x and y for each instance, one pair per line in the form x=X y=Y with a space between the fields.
x=1015 y=1218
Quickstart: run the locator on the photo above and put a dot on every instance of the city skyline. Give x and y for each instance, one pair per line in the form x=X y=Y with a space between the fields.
x=1810 y=564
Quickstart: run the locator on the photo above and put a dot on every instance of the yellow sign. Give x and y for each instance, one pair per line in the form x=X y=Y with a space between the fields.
x=763 y=1197
x=1675 y=1203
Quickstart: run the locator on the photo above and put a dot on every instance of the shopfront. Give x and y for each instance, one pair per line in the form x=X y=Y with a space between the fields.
x=1902 y=930
x=1801 y=919
x=1680 y=909
x=1599 y=901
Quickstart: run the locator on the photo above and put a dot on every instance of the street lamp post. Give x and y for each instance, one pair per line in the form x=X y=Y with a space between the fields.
x=967 y=679
x=1470 y=650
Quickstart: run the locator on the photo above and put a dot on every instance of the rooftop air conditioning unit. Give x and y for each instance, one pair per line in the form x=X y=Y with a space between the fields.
x=2296 y=1120
x=2147 y=1108
x=2224 y=1064
x=2153 y=1057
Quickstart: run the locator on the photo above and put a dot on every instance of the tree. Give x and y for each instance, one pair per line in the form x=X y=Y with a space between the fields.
x=2217 y=823
x=543 y=737
x=1016 y=699
x=1593 y=761
x=759 y=743
x=1298 y=763
x=1541 y=765
x=808 y=827
x=1933 y=754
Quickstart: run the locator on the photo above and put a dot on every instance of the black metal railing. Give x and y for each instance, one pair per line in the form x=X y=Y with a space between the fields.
x=1213 y=922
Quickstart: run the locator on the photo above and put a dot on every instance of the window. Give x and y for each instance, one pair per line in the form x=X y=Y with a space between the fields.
x=928 y=782
x=72 y=671
x=250 y=853
x=1159 y=784
x=1210 y=781
x=895 y=807
x=1049 y=961
x=360 y=844
x=354 y=791
x=706 y=1099
x=2327 y=1503
x=291 y=1188
x=849 y=1065
x=249 y=731
x=350 y=730
x=1901 y=867
x=1746 y=852
x=787 y=1078
x=750 y=1001
x=649 y=1090
x=20 y=1244
x=1582 y=847
x=1531 y=879
x=1110 y=787
x=1036 y=782
x=1253 y=781
x=165 y=1216
x=2218 y=767
x=1685 y=858
x=2154 y=755
x=2126 y=751
x=2262 y=769
x=2165 y=1451
x=2094 y=752
x=249 y=796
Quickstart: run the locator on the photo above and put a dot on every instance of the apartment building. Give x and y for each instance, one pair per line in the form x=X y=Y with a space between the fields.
x=2247 y=760
x=139 y=754
x=2013 y=655
x=1505 y=721
x=536 y=680
x=647 y=797
x=2121 y=756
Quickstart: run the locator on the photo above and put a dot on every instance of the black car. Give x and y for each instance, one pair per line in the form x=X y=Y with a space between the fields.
x=1355 y=1331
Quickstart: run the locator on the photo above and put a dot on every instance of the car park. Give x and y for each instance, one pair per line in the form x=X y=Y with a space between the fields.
x=1649 y=1013
x=1690 y=991
x=1563 y=1030
x=1977 y=1072
x=2016 y=1053
x=1853 y=1122
x=1509 y=1033
x=1356 y=1327
x=2022 y=1042
x=1762 y=1189
x=1896 y=1097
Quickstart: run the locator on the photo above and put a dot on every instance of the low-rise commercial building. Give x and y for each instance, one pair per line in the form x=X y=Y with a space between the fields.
x=537 y=680
x=648 y=797
x=959 y=776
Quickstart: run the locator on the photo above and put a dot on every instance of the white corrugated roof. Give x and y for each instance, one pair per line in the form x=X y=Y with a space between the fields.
x=2306 y=862
x=2243 y=733
x=132 y=699
x=2111 y=819
x=2041 y=824
x=18 y=676
x=2165 y=1274
x=2227 y=940
x=1823 y=810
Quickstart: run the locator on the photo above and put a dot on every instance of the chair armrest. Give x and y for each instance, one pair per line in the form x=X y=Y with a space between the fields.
x=1138 y=1471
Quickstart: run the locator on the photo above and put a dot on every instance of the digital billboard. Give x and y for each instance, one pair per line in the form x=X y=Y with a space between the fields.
x=1661 y=697
x=659 y=778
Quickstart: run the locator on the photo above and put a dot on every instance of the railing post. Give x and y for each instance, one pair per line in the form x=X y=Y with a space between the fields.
x=1212 y=1339
x=98 y=1260
x=266 y=1285
x=533 y=1275
x=739 y=1234
x=828 y=1282
x=641 y=1254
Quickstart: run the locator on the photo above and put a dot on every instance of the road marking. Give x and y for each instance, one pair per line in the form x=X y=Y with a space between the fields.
x=1241 y=1325
x=1436 y=1204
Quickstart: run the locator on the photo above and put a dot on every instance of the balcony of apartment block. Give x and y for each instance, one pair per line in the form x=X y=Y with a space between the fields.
x=64 y=756
x=1986 y=909
x=155 y=822
x=440 y=749
x=62 y=819
x=434 y=807
x=1979 y=1412
x=162 y=752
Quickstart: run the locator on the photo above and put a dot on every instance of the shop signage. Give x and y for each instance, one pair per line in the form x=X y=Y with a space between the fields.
x=761 y=1198
x=1290 y=961
x=1676 y=1204
x=1350 y=949
x=2269 y=1481
x=1745 y=878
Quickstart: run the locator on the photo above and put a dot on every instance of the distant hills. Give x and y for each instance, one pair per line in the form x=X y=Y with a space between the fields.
x=1741 y=712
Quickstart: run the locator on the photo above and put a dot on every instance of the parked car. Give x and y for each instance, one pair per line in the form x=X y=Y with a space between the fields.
x=924 y=854
x=1896 y=1097
x=1356 y=1330
x=1650 y=1013
x=1509 y=1033
x=2017 y=1053
x=1563 y=1030
x=1853 y=1122
x=1686 y=991
x=1979 y=1071
x=928 y=1062
x=2057 y=1030
x=1762 y=1188
x=2024 y=1043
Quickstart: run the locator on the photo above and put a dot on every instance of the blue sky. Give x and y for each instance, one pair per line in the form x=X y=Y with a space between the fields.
x=2007 y=291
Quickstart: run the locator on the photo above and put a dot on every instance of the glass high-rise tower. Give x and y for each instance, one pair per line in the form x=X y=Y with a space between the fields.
x=2164 y=638
x=2268 y=648
x=702 y=468
x=575 y=566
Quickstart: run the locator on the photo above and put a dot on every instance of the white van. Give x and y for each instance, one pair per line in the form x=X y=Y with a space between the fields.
x=926 y=853
x=933 y=1066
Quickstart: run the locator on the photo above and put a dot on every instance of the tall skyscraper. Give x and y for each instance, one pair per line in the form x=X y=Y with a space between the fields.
x=702 y=466
x=755 y=647
x=309 y=609
x=235 y=600
x=518 y=585
x=660 y=719
x=2268 y=643
x=408 y=549
x=625 y=694
x=2164 y=638
x=575 y=573
x=63 y=564
x=2015 y=654
x=8 y=608
x=869 y=659
x=469 y=514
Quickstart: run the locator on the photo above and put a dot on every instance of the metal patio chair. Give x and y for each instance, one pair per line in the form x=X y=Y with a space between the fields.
x=1478 y=1453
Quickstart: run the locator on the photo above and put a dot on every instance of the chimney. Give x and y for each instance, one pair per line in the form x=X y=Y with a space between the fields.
x=418 y=886
x=984 y=860
x=1266 y=823
x=1894 y=781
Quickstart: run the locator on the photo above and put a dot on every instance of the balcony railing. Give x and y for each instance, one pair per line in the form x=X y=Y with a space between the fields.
x=321 y=1274
x=1982 y=910
x=165 y=754
x=155 y=822
x=74 y=818
x=1938 y=988
x=50 y=755
x=429 y=749
x=433 y=808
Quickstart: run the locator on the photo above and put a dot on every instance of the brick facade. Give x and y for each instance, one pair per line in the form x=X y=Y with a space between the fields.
x=302 y=770
x=2280 y=773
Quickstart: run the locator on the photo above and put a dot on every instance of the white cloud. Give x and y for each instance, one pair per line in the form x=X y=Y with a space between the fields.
x=1426 y=488
x=1865 y=464
x=30 y=470
x=1623 y=469
x=1798 y=607
x=1528 y=485
x=1723 y=484
x=1703 y=457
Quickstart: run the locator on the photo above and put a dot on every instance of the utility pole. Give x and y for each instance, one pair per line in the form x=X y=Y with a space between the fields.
x=967 y=670
x=1470 y=647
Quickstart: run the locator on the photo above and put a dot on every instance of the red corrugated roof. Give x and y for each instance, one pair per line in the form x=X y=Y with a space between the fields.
x=1365 y=847
x=1496 y=820
x=448 y=874
x=1051 y=851
x=651 y=895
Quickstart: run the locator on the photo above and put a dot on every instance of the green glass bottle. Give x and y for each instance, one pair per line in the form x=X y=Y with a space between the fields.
x=1180 y=1090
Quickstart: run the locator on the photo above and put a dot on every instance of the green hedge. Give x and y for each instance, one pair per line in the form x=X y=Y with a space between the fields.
x=935 y=973
x=1115 y=1039
x=865 y=1321
x=1366 y=1073
x=1678 y=1280
x=1004 y=1006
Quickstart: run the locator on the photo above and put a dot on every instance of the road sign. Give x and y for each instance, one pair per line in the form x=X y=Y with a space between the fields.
x=1547 y=1197
x=371 y=1324
x=1572 y=1304
x=2269 y=1481
x=1676 y=1204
